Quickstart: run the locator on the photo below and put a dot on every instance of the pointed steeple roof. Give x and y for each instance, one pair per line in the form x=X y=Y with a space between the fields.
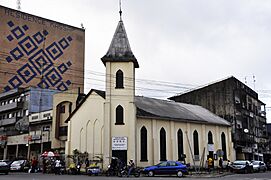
x=120 y=50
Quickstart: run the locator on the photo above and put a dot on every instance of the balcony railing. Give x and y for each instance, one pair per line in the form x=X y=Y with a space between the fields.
x=240 y=136
x=13 y=105
x=4 y=122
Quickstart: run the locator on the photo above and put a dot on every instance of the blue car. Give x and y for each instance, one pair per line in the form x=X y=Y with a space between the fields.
x=166 y=168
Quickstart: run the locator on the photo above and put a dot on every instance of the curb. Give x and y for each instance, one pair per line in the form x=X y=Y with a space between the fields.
x=204 y=175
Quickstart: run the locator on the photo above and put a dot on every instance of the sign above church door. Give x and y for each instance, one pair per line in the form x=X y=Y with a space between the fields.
x=119 y=143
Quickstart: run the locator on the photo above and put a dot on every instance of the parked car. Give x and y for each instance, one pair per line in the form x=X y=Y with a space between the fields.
x=4 y=166
x=259 y=166
x=20 y=165
x=242 y=166
x=166 y=168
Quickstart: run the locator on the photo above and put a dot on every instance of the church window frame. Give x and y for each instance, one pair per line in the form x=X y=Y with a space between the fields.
x=196 y=143
x=210 y=138
x=224 y=145
x=180 y=144
x=119 y=115
x=163 y=145
x=119 y=79
x=143 y=144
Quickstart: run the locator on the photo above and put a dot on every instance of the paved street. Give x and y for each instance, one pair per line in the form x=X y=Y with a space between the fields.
x=39 y=176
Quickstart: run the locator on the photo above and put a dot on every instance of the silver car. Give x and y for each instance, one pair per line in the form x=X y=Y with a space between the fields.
x=259 y=166
x=242 y=166
x=20 y=165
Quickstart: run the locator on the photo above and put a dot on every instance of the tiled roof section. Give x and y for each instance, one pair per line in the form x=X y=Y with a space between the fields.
x=163 y=109
x=120 y=50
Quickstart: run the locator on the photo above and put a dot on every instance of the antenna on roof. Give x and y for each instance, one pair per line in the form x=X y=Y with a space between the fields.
x=120 y=9
x=254 y=82
x=19 y=5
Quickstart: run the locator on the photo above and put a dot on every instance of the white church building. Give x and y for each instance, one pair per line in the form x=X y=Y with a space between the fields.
x=115 y=122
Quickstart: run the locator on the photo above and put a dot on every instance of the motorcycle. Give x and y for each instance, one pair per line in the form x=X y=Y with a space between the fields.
x=113 y=169
x=135 y=172
x=74 y=169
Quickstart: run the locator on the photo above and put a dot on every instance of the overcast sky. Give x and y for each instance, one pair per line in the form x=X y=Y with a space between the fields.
x=180 y=44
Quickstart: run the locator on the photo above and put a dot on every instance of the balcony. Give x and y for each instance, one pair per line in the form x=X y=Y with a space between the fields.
x=240 y=136
x=11 y=106
x=9 y=121
x=10 y=93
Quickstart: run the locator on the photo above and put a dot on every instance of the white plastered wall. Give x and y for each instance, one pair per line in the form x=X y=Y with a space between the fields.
x=153 y=127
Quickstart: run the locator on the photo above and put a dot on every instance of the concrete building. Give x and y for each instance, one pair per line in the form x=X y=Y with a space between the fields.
x=39 y=138
x=118 y=123
x=18 y=110
x=63 y=104
x=238 y=104
x=39 y=52
x=13 y=108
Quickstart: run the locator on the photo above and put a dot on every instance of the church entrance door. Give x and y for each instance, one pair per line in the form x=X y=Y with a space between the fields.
x=121 y=154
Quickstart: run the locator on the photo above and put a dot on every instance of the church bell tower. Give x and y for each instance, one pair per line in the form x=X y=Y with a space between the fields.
x=120 y=110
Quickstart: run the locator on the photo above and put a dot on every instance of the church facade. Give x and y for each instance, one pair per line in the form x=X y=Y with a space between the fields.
x=116 y=123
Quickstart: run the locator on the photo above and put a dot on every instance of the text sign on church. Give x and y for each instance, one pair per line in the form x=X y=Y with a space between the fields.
x=119 y=143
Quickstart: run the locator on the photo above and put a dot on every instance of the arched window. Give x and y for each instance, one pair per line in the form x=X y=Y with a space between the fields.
x=119 y=79
x=196 y=143
x=210 y=138
x=163 y=145
x=143 y=139
x=180 y=144
x=119 y=115
x=224 y=147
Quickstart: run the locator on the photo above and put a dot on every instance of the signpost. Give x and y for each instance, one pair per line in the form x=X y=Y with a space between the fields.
x=220 y=153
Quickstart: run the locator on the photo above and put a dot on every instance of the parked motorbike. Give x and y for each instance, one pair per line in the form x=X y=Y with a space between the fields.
x=74 y=169
x=114 y=168
x=135 y=172
x=112 y=171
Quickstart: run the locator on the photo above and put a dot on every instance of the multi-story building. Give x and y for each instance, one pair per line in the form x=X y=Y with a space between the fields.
x=268 y=148
x=39 y=52
x=13 y=109
x=40 y=127
x=17 y=107
x=239 y=104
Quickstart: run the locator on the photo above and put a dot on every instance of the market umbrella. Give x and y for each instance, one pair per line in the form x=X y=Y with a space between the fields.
x=49 y=154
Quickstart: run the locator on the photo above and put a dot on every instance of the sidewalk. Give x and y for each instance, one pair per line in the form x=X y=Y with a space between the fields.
x=204 y=174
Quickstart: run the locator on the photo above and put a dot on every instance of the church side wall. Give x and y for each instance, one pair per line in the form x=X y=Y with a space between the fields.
x=154 y=126
x=86 y=127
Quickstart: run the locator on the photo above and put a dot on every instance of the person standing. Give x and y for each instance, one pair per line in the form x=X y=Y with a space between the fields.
x=210 y=163
x=34 y=165
x=44 y=165
x=87 y=164
x=220 y=163
x=57 y=166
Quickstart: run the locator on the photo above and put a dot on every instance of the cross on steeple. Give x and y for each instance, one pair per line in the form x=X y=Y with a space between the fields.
x=120 y=11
